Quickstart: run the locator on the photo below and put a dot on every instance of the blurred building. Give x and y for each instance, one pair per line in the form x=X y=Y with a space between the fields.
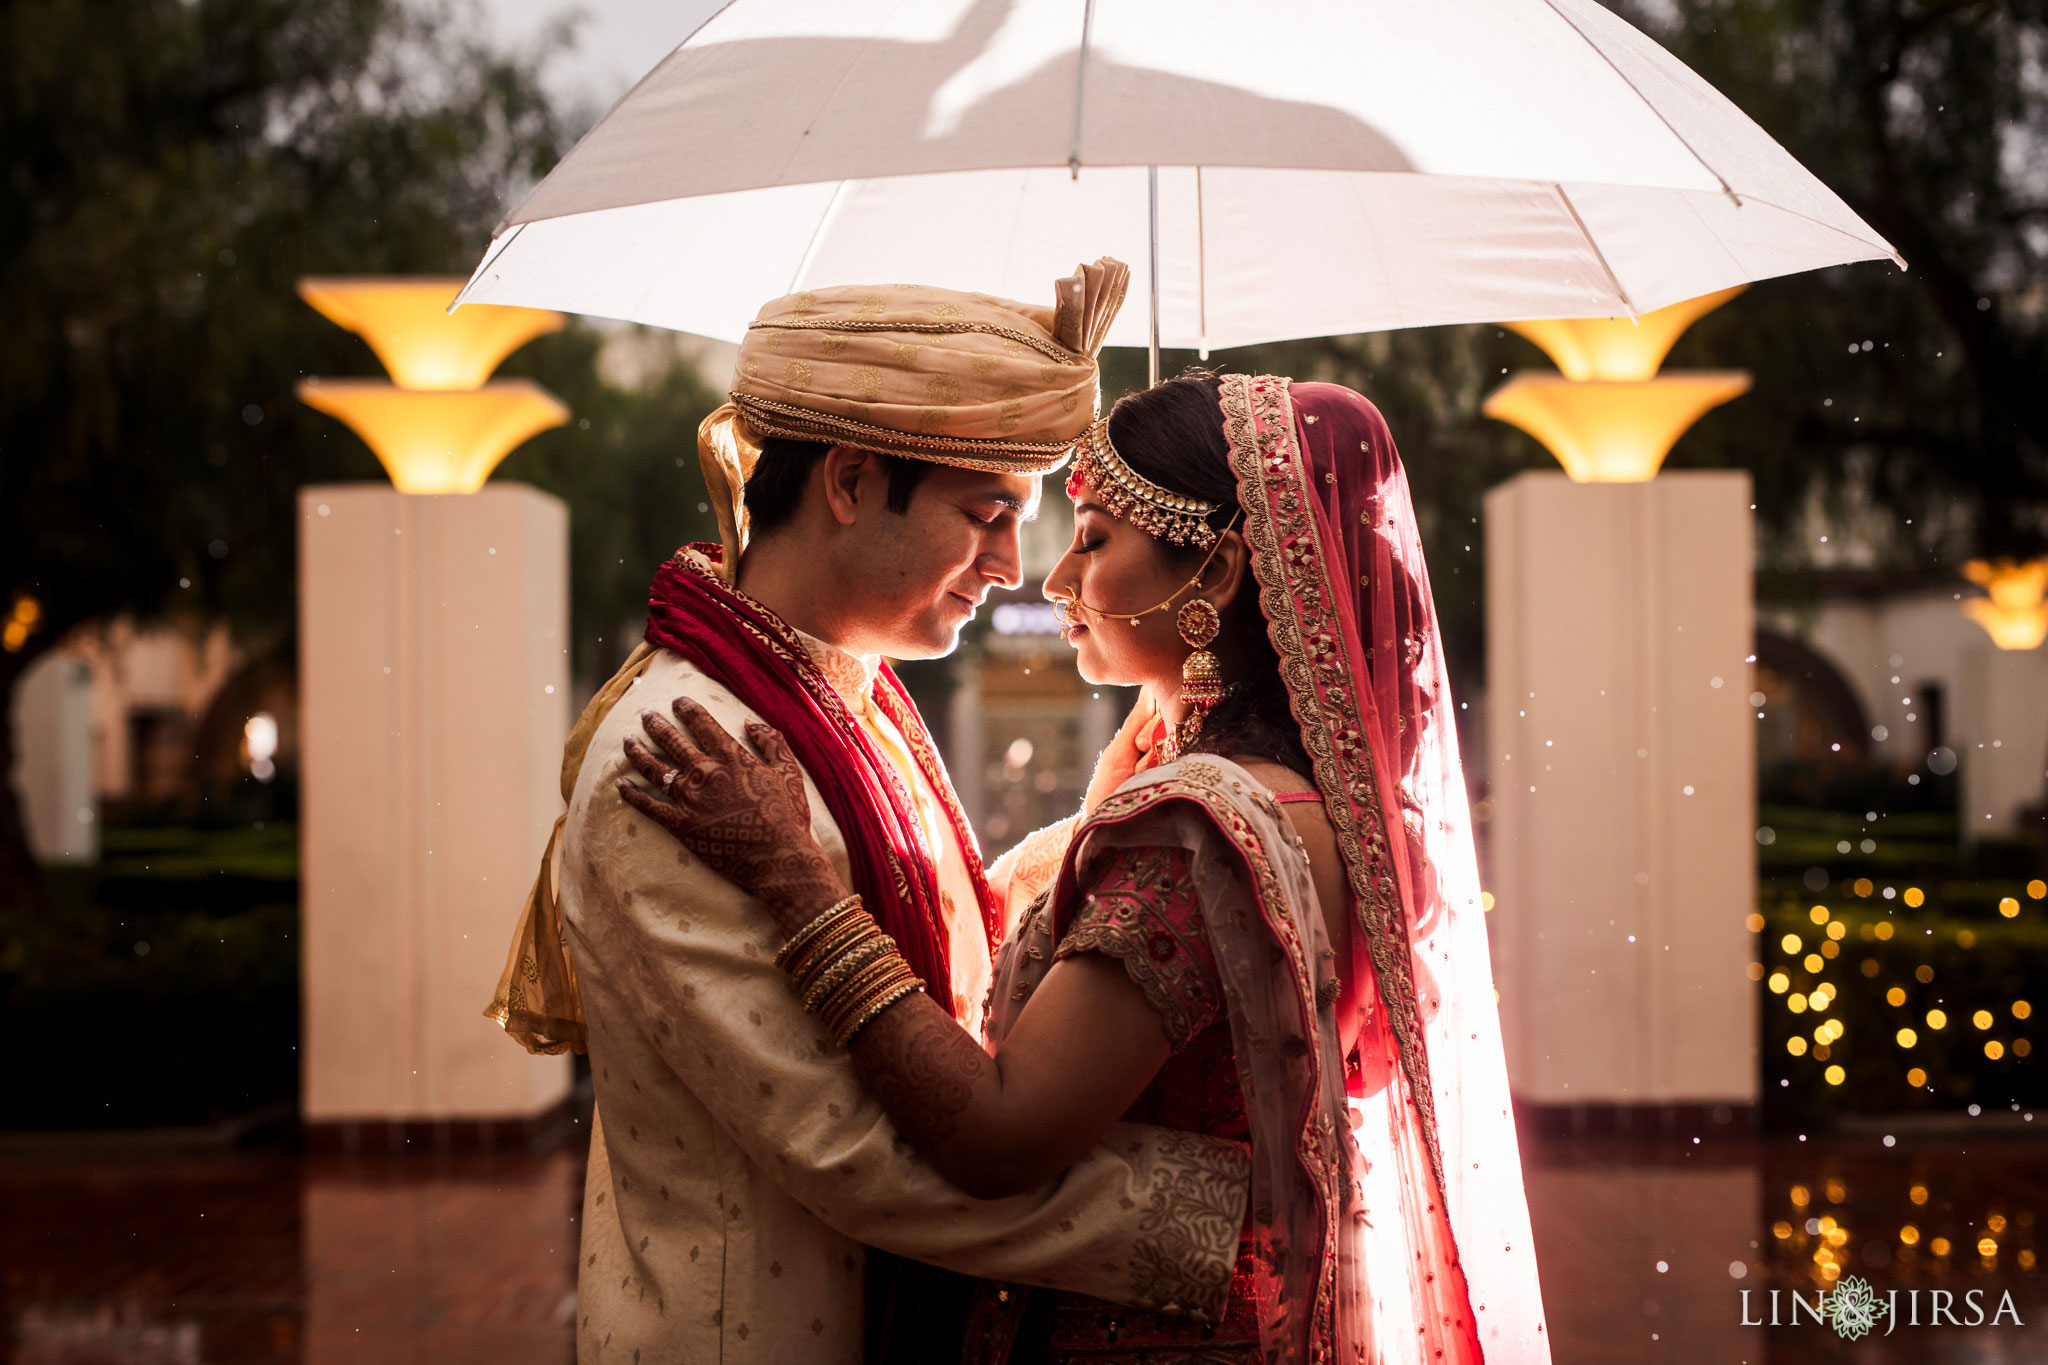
x=124 y=722
x=1888 y=671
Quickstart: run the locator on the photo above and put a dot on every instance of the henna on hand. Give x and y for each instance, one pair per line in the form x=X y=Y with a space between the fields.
x=922 y=1068
x=747 y=818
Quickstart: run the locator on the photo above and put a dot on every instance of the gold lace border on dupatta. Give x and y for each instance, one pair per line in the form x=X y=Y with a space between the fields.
x=1297 y=595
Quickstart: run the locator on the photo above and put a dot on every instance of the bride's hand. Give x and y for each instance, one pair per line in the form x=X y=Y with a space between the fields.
x=1123 y=754
x=746 y=817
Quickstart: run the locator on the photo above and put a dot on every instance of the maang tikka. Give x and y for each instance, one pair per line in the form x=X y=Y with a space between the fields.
x=1201 y=678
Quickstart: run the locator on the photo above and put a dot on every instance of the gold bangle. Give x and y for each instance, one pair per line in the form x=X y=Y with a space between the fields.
x=867 y=949
x=811 y=930
x=856 y=982
x=847 y=998
x=819 y=951
x=819 y=963
x=854 y=1001
x=857 y=1006
x=875 y=1011
x=817 y=925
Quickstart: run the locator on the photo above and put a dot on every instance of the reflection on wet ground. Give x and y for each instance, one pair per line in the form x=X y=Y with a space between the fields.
x=134 y=1255
x=1646 y=1250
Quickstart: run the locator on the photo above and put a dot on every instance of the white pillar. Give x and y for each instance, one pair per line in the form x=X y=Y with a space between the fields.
x=1621 y=751
x=53 y=771
x=433 y=634
x=2001 y=735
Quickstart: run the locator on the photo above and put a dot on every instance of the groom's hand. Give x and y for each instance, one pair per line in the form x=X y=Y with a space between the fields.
x=747 y=818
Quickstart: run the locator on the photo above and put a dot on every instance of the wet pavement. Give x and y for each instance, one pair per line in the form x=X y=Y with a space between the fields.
x=119 y=1253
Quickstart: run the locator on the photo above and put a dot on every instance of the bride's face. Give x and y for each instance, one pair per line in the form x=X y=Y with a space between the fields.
x=1116 y=572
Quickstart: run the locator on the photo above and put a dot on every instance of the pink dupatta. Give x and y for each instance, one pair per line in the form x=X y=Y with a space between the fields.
x=1338 y=559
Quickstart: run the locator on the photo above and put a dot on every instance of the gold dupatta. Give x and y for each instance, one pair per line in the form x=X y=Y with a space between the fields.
x=537 y=1001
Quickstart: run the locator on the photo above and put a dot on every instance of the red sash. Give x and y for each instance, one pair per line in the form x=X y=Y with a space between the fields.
x=748 y=649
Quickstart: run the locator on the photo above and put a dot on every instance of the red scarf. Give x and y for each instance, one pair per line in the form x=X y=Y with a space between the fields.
x=747 y=648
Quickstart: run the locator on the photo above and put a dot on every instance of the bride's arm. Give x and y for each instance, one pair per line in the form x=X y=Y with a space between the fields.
x=1082 y=1050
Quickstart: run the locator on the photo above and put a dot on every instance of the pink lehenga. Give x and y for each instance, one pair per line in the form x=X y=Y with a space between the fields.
x=1387 y=1217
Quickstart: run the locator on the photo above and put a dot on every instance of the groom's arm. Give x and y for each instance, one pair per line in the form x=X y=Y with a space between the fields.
x=1147 y=1217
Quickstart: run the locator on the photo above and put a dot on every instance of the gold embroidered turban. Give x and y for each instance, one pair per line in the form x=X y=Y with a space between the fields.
x=961 y=379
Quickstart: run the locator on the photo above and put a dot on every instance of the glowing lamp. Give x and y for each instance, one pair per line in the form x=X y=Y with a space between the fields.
x=1609 y=431
x=2015 y=615
x=437 y=442
x=1618 y=348
x=424 y=346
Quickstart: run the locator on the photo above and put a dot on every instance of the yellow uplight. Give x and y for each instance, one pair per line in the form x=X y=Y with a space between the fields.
x=423 y=345
x=2015 y=615
x=1611 y=432
x=1618 y=348
x=437 y=442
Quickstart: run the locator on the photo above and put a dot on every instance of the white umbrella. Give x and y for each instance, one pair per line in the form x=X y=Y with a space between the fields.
x=1290 y=168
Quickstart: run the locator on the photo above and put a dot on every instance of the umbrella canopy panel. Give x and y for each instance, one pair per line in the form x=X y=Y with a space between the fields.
x=1326 y=167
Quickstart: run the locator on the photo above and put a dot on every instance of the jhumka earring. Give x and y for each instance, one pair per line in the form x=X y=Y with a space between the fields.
x=1201 y=679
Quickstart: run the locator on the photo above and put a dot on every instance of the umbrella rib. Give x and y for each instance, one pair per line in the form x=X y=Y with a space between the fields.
x=1598 y=255
x=1080 y=82
x=1648 y=103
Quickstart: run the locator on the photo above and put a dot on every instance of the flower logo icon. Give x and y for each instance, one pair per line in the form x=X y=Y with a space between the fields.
x=1853 y=1308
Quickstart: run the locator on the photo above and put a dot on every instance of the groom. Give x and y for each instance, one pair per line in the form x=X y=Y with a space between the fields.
x=888 y=442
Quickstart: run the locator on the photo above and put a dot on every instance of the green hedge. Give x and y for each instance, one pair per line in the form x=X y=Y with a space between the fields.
x=160 y=987
x=1955 y=952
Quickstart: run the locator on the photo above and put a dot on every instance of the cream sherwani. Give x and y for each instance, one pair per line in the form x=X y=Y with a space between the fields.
x=738 y=1168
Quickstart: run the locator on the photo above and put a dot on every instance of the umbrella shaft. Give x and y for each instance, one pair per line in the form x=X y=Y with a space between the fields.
x=1152 y=196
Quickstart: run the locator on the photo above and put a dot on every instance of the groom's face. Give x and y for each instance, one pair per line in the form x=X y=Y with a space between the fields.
x=912 y=579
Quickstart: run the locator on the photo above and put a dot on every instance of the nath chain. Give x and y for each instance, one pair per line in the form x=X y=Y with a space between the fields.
x=1069 y=610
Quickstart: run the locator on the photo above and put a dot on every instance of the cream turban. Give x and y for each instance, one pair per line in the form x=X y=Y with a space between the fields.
x=961 y=379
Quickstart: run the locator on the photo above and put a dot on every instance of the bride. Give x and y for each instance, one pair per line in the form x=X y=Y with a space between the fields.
x=1270 y=932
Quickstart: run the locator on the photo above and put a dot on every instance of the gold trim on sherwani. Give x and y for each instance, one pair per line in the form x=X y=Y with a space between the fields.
x=932 y=374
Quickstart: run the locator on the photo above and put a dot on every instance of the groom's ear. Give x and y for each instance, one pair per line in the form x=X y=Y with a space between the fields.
x=845 y=474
